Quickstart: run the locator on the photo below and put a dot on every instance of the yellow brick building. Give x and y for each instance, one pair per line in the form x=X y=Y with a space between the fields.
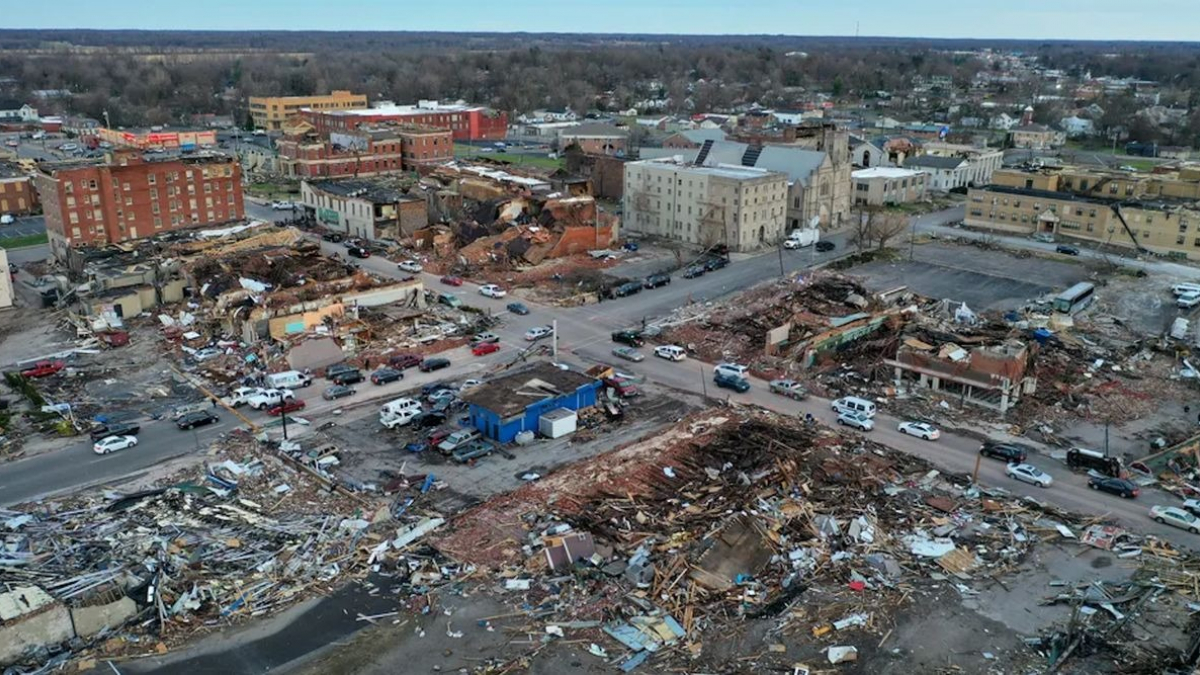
x=271 y=112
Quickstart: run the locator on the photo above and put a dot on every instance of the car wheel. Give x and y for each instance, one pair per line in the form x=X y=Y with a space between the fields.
x=1159 y=520
x=190 y=426
x=841 y=422
x=904 y=431
x=1193 y=530
x=1093 y=486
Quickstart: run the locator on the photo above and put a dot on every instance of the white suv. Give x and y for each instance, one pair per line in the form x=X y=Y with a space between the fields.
x=732 y=370
x=492 y=291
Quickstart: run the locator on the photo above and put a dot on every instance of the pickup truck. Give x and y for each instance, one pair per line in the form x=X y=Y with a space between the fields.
x=624 y=388
x=241 y=396
x=457 y=440
x=472 y=450
x=628 y=337
x=43 y=369
x=268 y=398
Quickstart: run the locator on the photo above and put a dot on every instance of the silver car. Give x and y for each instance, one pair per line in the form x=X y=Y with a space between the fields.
x=628 y=353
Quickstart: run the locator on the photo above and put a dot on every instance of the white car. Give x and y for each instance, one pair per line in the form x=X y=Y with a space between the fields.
x=920 y=430
x=1028 y=473
x=492 y=291
x=791 y=243
x=469 y=384
x=538 y=332
x=207 y=353
x=1175 y=517
x=670 y=352
x=283 y=206
x=114 y=443
x=411 y=266
x=6 y=219
x=1192 y=506
x=732 y=370
x=856 y=420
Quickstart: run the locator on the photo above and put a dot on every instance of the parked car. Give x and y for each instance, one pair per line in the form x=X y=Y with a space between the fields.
x=402 y=361
x=287 y=407
x=1116 y=486
x=472 y=450
x=195 y=419
x=449 y=299
x=425 y=420
x=410 y=266
x=628 y=337
x=435 y=363
x=43 y=369
x=730 y=381
x=337 y=391
x=206 y=354
x=1028 y=473
x=332 y=236
x=1009 y=452
x=713 y=264
x=1177 y=517
x=920 y=430
x=451 y=280
x=825 y=246
x=624 y=388
x=483 y=338
x=348 y=377
x=1066 y=249
x=385 y=375
x=115 y=429
x=441 y=397
x=856 y=420
x=353 y=242
x=789 y=388
x=269 y=397
x=485 y=348
x=694 y=271
x=1192 y=505
x=732 y=370
x=1044 y=237
x=538 y=332
x=338 y=368
x=358 y=252
x=656 y=280
x=628 y=353
x=670 y=352
x=492 y=291
x=517 y=308
x=113 y=444
x=791 y=243
x=457 y=439
x=469 y=384
x=283 y=205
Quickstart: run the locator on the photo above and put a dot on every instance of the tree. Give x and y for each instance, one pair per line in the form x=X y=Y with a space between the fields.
x=875 y=226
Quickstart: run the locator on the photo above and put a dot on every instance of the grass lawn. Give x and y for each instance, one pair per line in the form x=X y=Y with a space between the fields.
x=273 y=190
x=515 y=159
x=21 y=242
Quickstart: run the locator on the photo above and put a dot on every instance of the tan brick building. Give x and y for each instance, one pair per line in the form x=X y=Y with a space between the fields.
x=271 y=112
x=17 y=196
x=366 y=152
x=595 y=139
x=880 y=186
x=90 y=203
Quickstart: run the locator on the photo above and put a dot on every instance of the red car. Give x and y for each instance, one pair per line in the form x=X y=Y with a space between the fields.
x=286 y=407
x=624 y=388
x=485 y=348
x=43 y=369
x=402 y=361
x=451 y=280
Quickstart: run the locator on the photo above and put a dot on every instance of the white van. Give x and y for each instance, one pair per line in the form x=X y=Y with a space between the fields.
x=1188 y=301
x=854 y=404
x=1185 y=289
x=289 y=379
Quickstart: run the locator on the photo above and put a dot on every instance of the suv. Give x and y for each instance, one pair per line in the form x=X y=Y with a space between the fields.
x=402 y=361
x=656 y=280
x=385 y=375
x=628 y=337
x=196 y=419
x=347 y=377
x=115 y=429
x=436 y=363
x=337 y=369
x=713 y=264
x=825 y=246
x=1009 y=452
x=730 y=381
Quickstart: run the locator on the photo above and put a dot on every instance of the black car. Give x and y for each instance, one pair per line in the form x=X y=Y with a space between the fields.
x=1117 y=486
x=437 y=363
x=628 y=337
x=694 y=271
x=825 y=246
x=713 y=264
x=1067 y=250
x=358 y=252
x=656 y=280
x=1009 y=452
x=115 y=429
x=738 y=384
x=196 y=419
x=429 y=419
x=626 y=289
x=385 y=375
x=348 y=377
x=332 y=236
x=337 y=369
x=517 y=308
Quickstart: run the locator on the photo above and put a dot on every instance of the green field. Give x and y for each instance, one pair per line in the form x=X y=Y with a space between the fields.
x=514 y=159
x=22 y=242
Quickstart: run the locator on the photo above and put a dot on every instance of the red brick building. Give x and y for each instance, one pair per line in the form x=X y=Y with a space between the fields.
x=17 y=196
x=366 y=152
x=96 y=203
x=595 y=139
x=465 y=122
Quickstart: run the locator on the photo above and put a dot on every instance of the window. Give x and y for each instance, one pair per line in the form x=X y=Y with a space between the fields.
x=1196 y=243
x=151 y=179
x=68 y=187
x=1179 y=240
x=74 y=218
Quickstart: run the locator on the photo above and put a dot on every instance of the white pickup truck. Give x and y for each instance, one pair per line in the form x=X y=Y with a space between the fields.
x=241 y=396
x=269 y=397
x=457 y=439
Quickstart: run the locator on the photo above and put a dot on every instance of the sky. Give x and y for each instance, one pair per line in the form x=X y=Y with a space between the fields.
x=1035 y=19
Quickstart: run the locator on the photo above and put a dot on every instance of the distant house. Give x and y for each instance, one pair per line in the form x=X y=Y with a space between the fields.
x=864 y=154
x=1036 y=137
x=16 y=112
x=692 y=138
x=1076 y=127
x=953 y=166
x=1003 y=121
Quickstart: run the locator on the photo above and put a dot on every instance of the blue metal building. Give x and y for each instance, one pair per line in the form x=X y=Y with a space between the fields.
x=508 y=405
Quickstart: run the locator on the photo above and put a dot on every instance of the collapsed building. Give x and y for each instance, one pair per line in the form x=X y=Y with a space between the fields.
x=990 y=375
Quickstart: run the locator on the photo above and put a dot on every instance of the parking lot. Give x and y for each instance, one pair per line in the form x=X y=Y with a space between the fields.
x=985 y=280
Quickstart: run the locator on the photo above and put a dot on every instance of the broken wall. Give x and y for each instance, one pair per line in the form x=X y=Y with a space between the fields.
x=49 y=627
x=90 y=621
x=280 y=327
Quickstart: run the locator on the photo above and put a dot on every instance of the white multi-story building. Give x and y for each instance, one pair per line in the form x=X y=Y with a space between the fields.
x=953 y=166
x=741 y=207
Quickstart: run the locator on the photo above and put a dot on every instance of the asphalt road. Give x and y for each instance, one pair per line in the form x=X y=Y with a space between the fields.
x=22 y=227
x=584 y=338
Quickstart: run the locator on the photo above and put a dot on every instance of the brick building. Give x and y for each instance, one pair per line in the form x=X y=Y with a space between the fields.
x=366 y=152
x=93 y=203
x=595 y=139
x=167 y=139
x=366 y=208
x=17 y=196
x=466 y=122
x=272 y=112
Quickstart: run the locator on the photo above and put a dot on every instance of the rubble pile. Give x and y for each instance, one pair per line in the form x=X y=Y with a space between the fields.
x=671 y=544
x=246 y=536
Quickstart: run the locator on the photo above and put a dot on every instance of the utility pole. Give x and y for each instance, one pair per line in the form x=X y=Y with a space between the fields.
x=912 y=238
x=703 y=382
x=779 y=246
x=554 y=338
x=283 y=418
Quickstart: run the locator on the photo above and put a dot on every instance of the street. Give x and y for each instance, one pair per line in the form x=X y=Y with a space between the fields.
x=584 y=340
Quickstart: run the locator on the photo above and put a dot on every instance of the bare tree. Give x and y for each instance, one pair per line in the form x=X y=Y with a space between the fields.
x=885 y=226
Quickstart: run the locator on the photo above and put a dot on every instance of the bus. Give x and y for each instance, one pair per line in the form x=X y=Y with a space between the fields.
x=1075 y=298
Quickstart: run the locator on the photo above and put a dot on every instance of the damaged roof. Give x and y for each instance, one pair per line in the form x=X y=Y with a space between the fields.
x=510 y=394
